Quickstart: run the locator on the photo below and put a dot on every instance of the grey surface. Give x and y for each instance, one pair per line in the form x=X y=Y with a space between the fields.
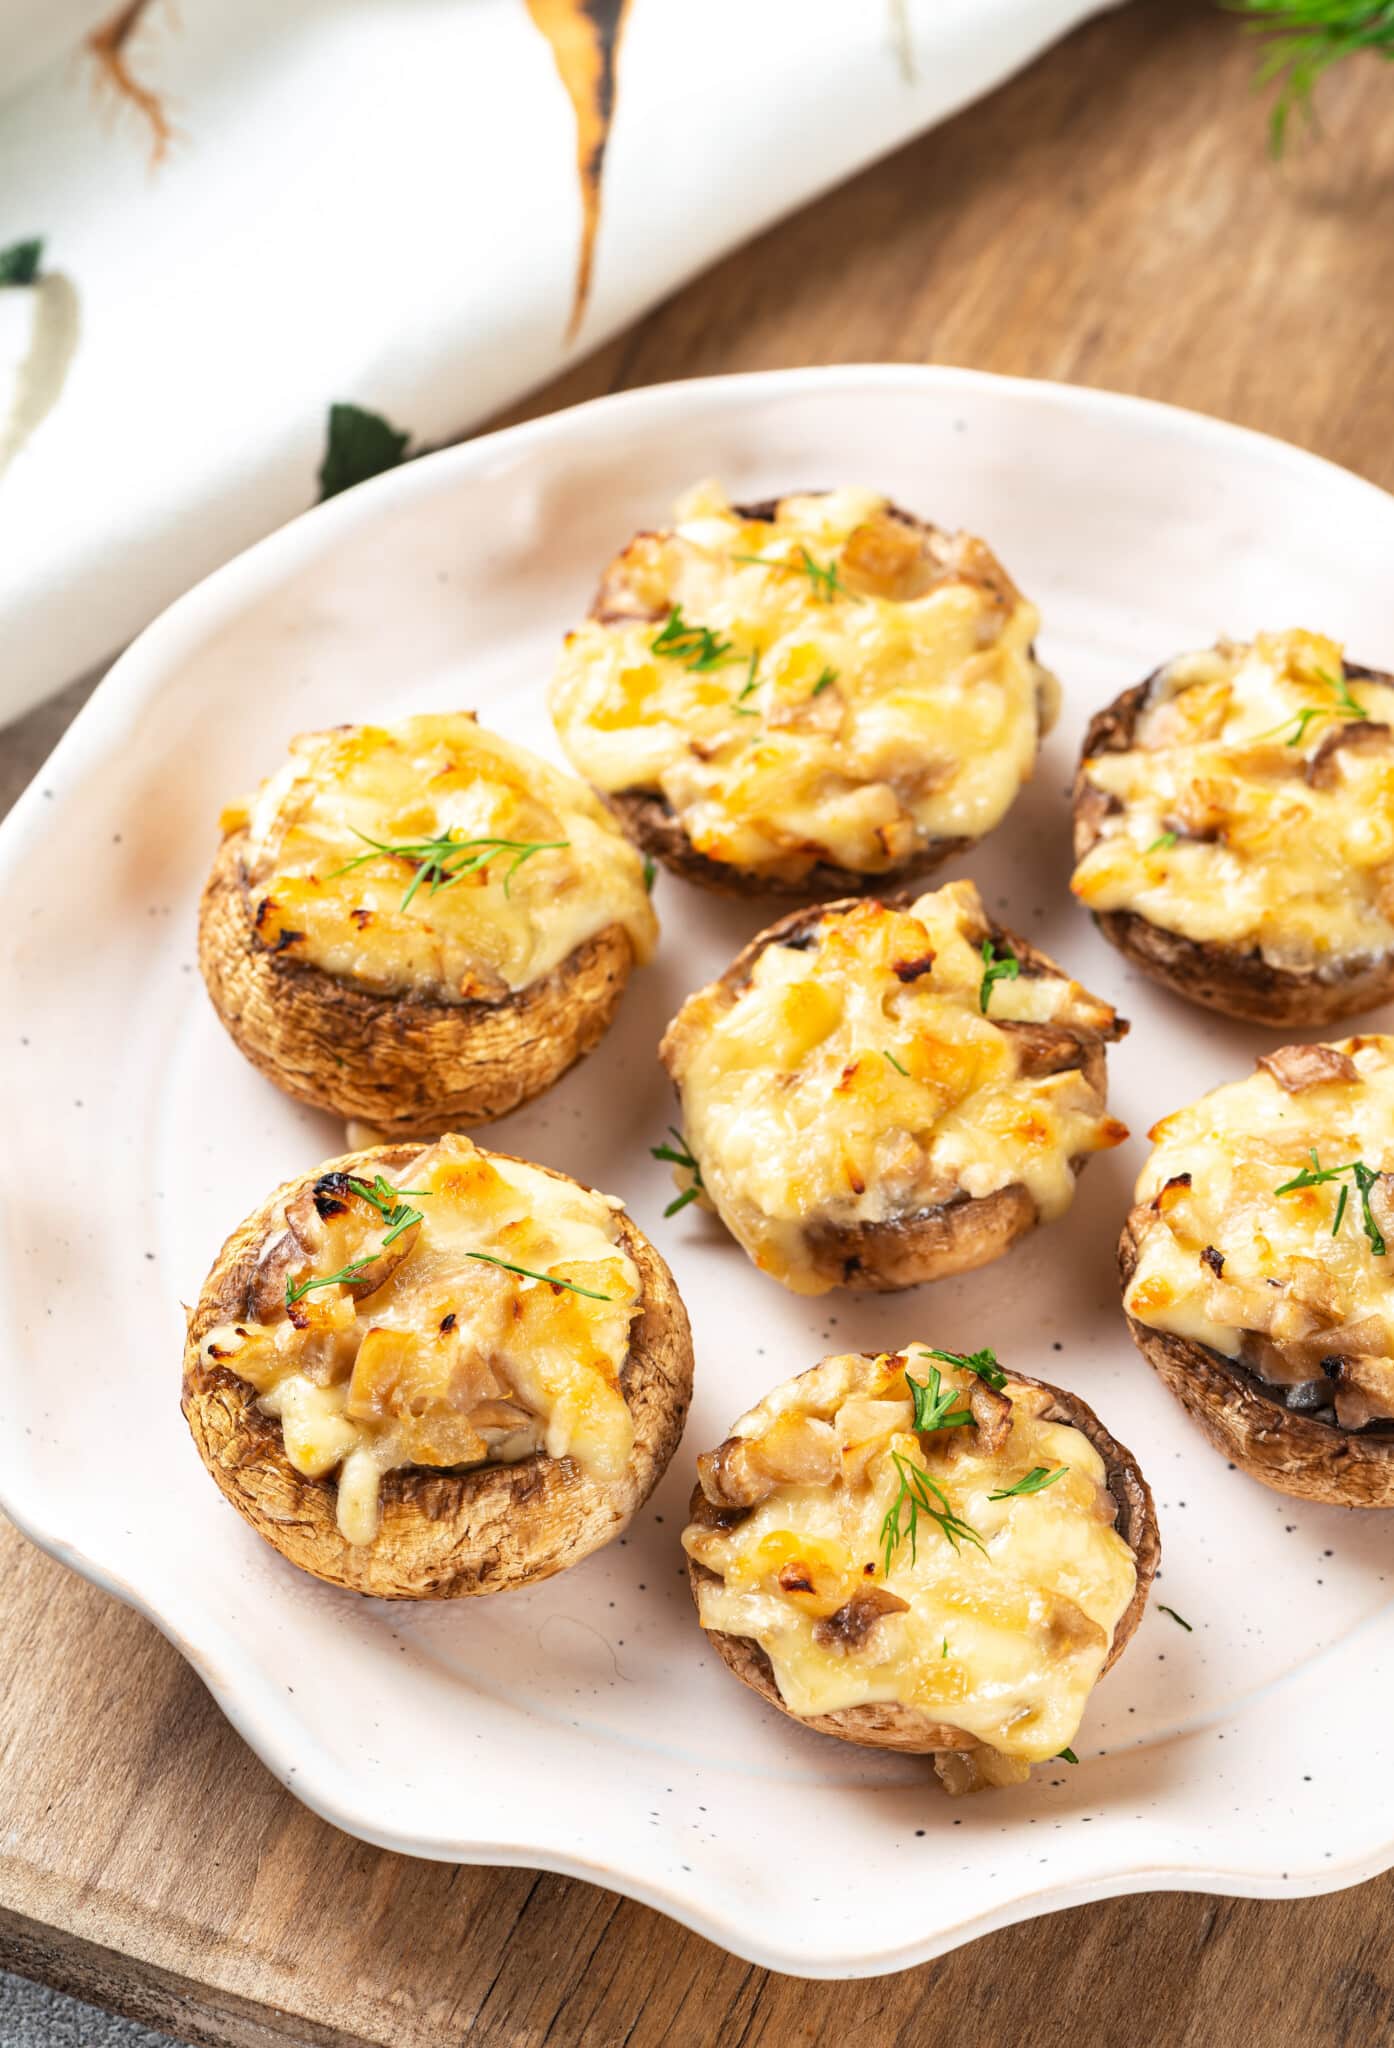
x=32 y=2016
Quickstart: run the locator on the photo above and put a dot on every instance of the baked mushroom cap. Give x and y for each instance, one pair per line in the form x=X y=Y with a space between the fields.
x=932 y=1240
x=1249 y=1422
x=892 y=554
x=1238 y=981
x=444 y=1534
x=890 y=1725
x=405 y=1065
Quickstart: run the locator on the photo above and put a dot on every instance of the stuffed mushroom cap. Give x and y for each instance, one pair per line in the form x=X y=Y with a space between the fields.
x=921 y=1552
x=877 y=1094
x=1234 y=829
x=1258 y=1268
x=425 y=1372
x=807 y=695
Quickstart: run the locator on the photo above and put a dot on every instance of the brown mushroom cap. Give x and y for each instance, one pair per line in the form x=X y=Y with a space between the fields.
x=444 y=1535
x=1251 y=1424
x=407 y=1066
x=1238 y=983
x=892 y=1726
x=948 y=1237
x=650 y=821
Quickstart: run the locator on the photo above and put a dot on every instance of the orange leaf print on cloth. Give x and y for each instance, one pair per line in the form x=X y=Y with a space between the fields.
x=585 y=39
x=109 y=43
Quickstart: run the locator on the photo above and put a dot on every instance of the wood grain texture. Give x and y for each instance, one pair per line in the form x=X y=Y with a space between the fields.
x=1108 y=218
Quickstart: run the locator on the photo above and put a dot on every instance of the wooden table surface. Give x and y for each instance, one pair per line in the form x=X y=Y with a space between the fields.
x=1110 y=218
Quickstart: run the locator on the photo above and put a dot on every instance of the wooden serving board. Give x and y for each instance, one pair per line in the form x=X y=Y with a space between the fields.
x=1110 y=218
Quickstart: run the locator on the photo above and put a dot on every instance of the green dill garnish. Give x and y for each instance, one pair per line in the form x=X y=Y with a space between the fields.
x=933 y=1405
x=387 y=1200
x=1346 y=706
x=1066 y=1756
x=446 y=859
x=918 y=1495
x=1176 y=1617
x=1164 y=844
x=696 y=647
x=825 y=578
x=945 y=1650
x=750 y=676
x=677 y=1154
x=983 y=1363
x=1303 y=39
x=650 y=870
x=1364 y=1177
x=895 y=1063
x=19 y=264
x=1340 y=1208
x=1350 y=704
x=548 y=1279
x=1003 y=966
x=296 y=1290
x=1034 y=1481
x=828 y=676
x=358 y=445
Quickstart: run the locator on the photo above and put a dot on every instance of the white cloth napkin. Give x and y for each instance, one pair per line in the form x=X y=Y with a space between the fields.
x=250 y=209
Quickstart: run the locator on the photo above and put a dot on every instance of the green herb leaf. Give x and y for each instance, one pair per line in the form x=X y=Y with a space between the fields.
x=1364 y=1177
x=19 y=264
x=547 y=1279
x=1164 y=844
x=650 y=870
x=1303 y=39
x=1035 y=1481
x=983 y=1363
x=359 y=444
x=696 y=647
x=387 y=1200
x=296 y=1290
x=828 y=676
x=681 y=1201
x=750 y=676
x=1003 y=966
x=920 y=1495
x=896 y=1063
x=677 y=1154
x=1066 y=1756
x=1176 y=1617
x=446 y=859
x=934 y=1408
x=825 y=578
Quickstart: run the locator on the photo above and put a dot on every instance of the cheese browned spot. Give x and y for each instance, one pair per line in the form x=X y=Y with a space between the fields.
x=1003 y=1638
x=1255 y=808
x=855 y=1080
x=481 y=937
x=424 y=1354
x=1292 y=1285
x=851 y=721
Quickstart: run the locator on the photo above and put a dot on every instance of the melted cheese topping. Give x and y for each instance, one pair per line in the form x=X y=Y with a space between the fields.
x=313 y=895
x=1245 y=824
x=859 y=1082
x=452 y=1360
x=852 y=722
x=1274 y=1280
x=1005 y=1641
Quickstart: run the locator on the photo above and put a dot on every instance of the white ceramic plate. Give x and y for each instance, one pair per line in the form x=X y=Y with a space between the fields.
x=582 y=1725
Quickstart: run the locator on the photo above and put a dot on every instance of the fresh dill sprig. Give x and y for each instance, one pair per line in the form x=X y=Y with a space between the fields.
x=1346 y=706
x=527 y=1273
x=828 y=677
x=983 y=1363
x=1164 y=844
x=1066 y=1756
x=1034 y=1481
x=1176 y=1617
x=895 y=1063
x=1364 y=1177
x=650 y=870
x=696 y=647
x=446 y=859
x=751 y=678
x=934 y=1405
x=387 y=1200
x=918 y=1495
x=296 y=1290
x=678 y=1154
x=1003 y=966
x=1303 y=39
x=825 y=577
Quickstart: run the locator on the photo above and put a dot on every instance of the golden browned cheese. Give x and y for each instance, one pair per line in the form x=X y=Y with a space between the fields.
x=1298 y=1285
x=398 y=1341
x=545 y=867
x=859 y=692
x=857 y=1080
x=998 y=1625
x=1256 y=807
